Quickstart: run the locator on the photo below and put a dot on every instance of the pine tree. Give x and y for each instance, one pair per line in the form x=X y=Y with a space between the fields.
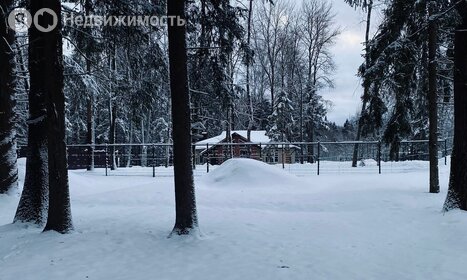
x=133 y=96
x=8 y=88
x=433 y=96
x=457 y=194
x=396 y=74
x=399 y=126
x=366 y=5
x=47 y=53
x=33 y=205
x=217 y=40
x=281 y=120
x=185 y=202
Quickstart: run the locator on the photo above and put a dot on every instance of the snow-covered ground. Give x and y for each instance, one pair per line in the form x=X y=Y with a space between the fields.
x=302 y=170
x=257 y=222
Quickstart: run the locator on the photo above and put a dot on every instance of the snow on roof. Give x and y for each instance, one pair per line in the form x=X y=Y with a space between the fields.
x=255 y=137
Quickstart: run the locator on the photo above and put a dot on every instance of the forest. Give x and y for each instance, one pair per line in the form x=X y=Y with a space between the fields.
x=252 y=81
x=108 y=72
x=243 y=66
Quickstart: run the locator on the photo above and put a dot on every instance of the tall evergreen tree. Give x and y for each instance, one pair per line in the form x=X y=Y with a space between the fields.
x=133 y=98
x=8 y=167
x=185 y=202
x=33 y=205
x=47 y=53
x=366 y=5
x=433 y=96
x=217 y=40
x=396 y=73
x=457 y=194
x=281 y=120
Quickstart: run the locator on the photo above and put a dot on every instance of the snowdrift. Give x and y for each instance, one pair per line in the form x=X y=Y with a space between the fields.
x=249 y=173
x=367 y=162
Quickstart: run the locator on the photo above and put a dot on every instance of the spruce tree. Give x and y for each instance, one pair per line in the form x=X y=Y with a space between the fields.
x=8 y=88
x=47 y=53
x=185 y=202
x=457 y=193
x=33 y=205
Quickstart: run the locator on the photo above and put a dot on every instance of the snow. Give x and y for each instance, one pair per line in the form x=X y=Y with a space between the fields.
x=257 y=222
x=246 y=173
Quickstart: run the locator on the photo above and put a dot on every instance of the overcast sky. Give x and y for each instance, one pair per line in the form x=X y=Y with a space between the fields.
x=348 y=57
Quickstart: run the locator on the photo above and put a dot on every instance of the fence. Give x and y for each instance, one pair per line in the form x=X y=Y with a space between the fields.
x=299 y=158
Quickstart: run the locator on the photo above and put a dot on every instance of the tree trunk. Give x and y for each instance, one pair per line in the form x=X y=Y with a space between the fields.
x=130 y=140
x=185 y=202
x=358 y=136
x=112 y=108
x=273 y=86
x=112 y=134
x=366 y=87
x=248 y=87
x=144 y=155
x=90 y=130
x=33 y=205
x=90 y=135
x=310 y=139
x=394 y=150
x=301 y=124
x=433 y=99
x=8 y=157
x=457 y=194
x=50 y=60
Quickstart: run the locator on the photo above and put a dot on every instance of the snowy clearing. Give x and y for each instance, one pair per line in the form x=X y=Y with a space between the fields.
x=257 y=222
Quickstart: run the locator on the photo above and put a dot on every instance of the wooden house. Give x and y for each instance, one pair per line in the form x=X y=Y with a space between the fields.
x=218 y=149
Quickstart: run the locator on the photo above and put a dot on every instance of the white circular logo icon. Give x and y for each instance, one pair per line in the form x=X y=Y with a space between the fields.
x=49 y=20
x=20 y=20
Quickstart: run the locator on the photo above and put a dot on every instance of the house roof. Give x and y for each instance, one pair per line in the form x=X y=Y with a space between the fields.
x=255 y=137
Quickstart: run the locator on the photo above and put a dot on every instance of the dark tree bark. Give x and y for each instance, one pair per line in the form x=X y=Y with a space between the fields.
x=90 y=130
x=33 y=205
x=90 y=133
x=433 y=99
x=8 y=157
x=49 y=58
x=366 y=87
x=112 y=135
x=113 y=112
x=457 y=194
x=248 y=87
x=185 y=202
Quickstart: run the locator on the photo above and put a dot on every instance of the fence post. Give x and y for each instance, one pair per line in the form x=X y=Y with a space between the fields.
x=283 y=157
x=445 y=151
x=207 y=158
x=167 y=156
x=153 y=161
x=301 y=154
x=318 y=156
x=93 y=155
x=106 y=158
x=379 y=156
x=193 y=151
x=261 y=152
